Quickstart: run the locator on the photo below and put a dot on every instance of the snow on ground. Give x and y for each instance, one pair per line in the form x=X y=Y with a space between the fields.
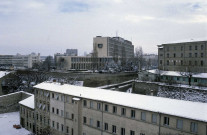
x=7 y=120
x=3 y=73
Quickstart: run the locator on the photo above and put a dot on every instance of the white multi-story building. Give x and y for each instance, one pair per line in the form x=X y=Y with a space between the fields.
x=19 y=61
x=73 y=110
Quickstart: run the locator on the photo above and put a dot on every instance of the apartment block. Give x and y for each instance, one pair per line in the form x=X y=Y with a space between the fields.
x=19 y=61
x=188 y=56
x=115 y=47
x=75 y=110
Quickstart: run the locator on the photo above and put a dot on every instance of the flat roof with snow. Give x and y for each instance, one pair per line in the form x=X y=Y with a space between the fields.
x=28 y=102
x=180 y=108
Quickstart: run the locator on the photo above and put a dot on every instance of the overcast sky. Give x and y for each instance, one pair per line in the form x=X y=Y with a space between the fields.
x=51 y=26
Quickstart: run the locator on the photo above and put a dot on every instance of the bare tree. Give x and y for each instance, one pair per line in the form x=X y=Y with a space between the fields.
x=139 y=57
x=188 y=74
x=47 y=64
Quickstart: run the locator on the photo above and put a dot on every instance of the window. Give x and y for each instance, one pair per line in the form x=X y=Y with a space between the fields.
x=123 y=111
x=67 y=129
x=106 y=107
x=168 y=62
x=196 y=63
x=189 y=63
x=160 y=62
x=91 y=121
x=132 y=113
x=72 y=116
x=113 y=129
x=195 y=80
x=201 y=54
x=181 y=48
x=143 y=116
x=174 y=48
x=57 y=126
x=181 y=54
x=114 y=109
x=174 y=55
x=181 y=62
x=62 y=98
x=202 y=47
x=62 y=127
x=190 y=55
x=132 y=132
x=122 y=131
x=53 y=110
x=62 y=113
x=98 y=124
x=98 y=106
x=167 y=48
x=168 y=55
x=57 y=97
x=179 y=124
x=190 y=47
x=201 y=63
x=84 y=120
x=196 y=47
x=91 y=104
x=196 y=55
x=166 y=121
x=67 y=115
x=154 y=118
x=84 y=103
x=57 y=111
x=53 y=96
x=194 y=127
x=53 y=123
x=174 y=62
x=142 y=134
x=105 y=126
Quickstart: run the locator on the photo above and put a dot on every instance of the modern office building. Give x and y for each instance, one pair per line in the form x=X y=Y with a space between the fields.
x=72 y=52
x=115 y=47
x=188 y=56
x=19 y=61
x=63 y=109
x=81 y=62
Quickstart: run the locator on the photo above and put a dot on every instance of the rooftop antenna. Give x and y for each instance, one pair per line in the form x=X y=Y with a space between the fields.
x=117 y=33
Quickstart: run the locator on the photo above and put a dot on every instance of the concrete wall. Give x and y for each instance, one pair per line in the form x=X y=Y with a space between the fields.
x=10 y=102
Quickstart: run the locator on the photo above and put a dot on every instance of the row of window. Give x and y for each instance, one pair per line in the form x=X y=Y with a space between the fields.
x=190 y=63
x=62 y=113
x=62 y=128
x=181 y=55
x=189 y=48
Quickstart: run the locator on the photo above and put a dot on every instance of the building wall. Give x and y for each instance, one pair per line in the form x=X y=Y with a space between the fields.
x=187 y=56
x=101 y=51
x=77 y=110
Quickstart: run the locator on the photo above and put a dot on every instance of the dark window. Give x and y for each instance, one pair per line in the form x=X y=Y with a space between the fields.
x=106 y=107
x=98 y=106
x=202 y=47
x=100 y=45
x=168 y=55
x=53 y=95
x=67 y=130
x=174 y=55
x=201 y=54
x=57 y=125
x=105 y=126
x=98 y=124
x=114 y=109
x=181 y=48
x=190 y=47
x=174 y=62
x=57 y=111
x=196 y=63
x=122 y=131
x=72 y=116
x=190 y=54
x=160 y=62
x=132 y=132
x=196 y=55
x=201 y=63
x=132 y=113
x=113 y=129
x=195 y=80
x=190 y=63
x=181 y=62
x=123 y=111
x=84 y=120
x=84 y=103
x=196 y=47
x=168 y=62
x=194 y=127
x=166 y=121
x=181 y=54
x=53 y=110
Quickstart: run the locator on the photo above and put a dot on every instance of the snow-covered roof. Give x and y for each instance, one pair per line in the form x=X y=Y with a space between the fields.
x=176 y=73
x=3 y=73
x=187 y=40
x=180 y=108
x=28 y=102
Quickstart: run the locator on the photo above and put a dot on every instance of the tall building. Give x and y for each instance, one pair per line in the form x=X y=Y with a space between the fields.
x=116 y=47
x=19 y=61
x=73 y=110
x=72 y=52
x=184 y=56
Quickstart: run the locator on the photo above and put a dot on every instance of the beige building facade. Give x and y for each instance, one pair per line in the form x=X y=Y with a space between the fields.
x=115 y=47
x=183 y=56
x=74 y=110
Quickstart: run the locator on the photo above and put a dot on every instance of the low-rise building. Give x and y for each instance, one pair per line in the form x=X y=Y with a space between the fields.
x=19 y=61
x=74 y=110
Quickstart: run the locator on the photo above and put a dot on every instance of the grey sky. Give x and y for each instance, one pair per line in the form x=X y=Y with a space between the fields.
x=51 y=26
